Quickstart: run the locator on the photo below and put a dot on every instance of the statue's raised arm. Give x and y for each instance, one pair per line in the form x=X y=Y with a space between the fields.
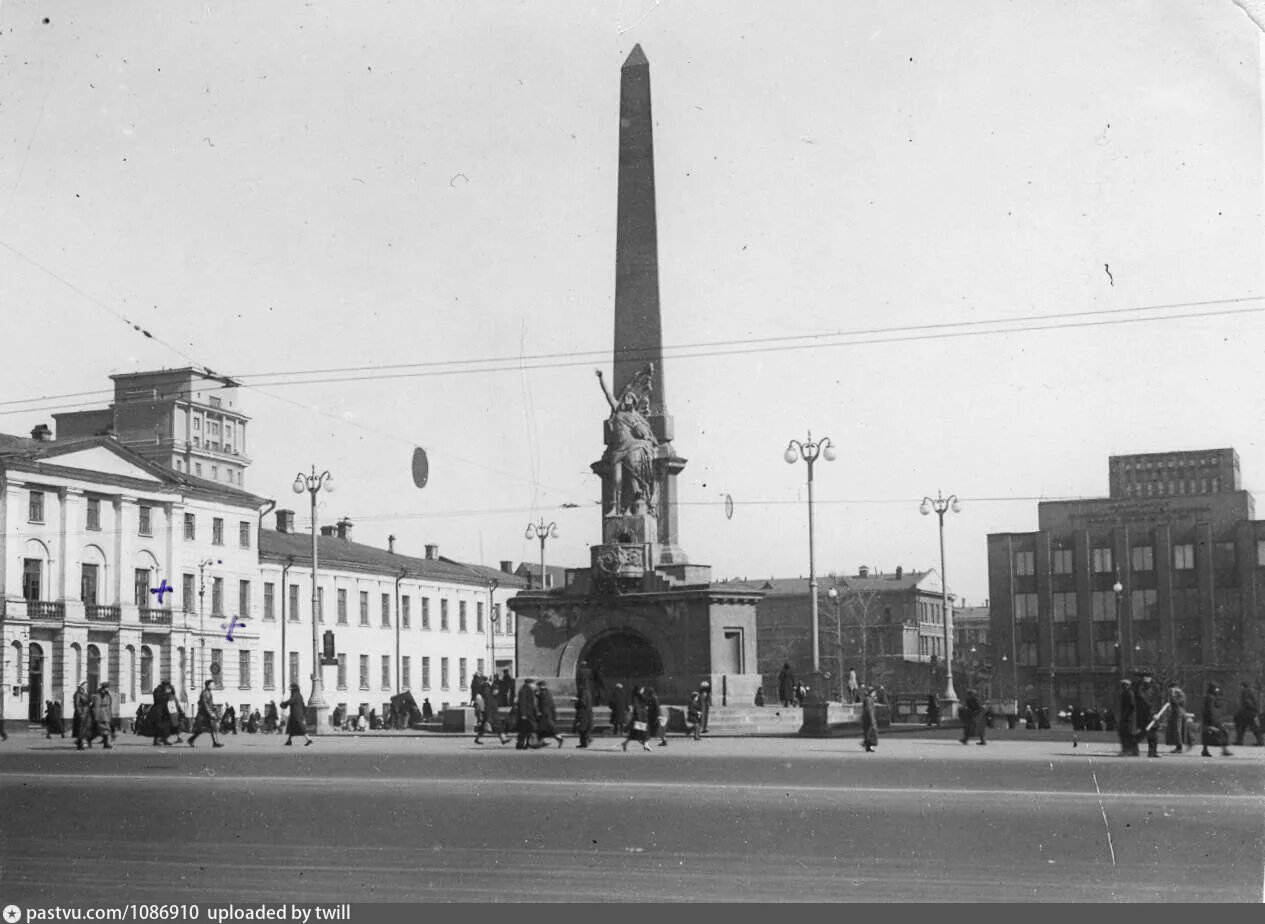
x=610 y=399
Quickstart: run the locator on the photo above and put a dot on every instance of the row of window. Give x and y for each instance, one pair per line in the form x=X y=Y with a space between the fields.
x=500 y=627
x=196 y=469
x=930 y=612
x=1142 y=604
x=1180 y=486
x=35 y=514
x=1105 y=652
x=1142 y=558
x=245 y=661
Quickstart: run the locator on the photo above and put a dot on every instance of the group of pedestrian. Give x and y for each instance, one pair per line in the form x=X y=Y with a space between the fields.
x=1143 y=709
x=93 y=716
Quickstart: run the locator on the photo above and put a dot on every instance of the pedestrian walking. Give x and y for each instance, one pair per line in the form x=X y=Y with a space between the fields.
x=53 y=724
x=971 y=718
x=1148 y=706
x=657 y=717
x=103 y=714
x=547 y=715
x=869 y=720
x=525 y=712
x=1126 y=724
x=491 y=723
x=933 y=709
x=1175 y=732
x=638 y=719
x=1245 y=719
x=786 y=685
x=694 y=717
x=1214 y=733
x=205 y=720
x=619 y=710
x=84 y=730
x=296 y=724
x=507 y=688
x=584 y=722
x=759 y=696
x=705 y=703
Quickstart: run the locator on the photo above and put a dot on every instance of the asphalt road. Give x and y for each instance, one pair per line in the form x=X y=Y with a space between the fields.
x=441 y=819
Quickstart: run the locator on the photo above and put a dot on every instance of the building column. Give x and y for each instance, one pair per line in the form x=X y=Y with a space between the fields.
x=1163 y=540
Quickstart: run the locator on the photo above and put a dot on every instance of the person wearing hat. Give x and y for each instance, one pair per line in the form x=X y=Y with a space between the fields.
x=102 y=714
x=83 y=729
x=1214 y=732
x=525 y=712
x=1126 y=726
x=546 y=715
x=1245 y=719
x=1147 y=697
x=705 y=703
x=869 y=720
x=296 y=724
x=204 y=721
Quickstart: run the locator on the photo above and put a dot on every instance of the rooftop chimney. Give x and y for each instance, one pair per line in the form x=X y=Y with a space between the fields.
x=432 y=552
x=41 y=433
x=391 y=544
x=344 y=529
x=507 y=566
x=863 y=571
x=285 y=521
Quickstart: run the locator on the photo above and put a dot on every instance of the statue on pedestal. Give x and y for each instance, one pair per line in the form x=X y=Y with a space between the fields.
x=630 y=446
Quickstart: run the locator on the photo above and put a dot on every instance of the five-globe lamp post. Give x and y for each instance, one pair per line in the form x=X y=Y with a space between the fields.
x=542 y=531
x=810 y=451
x=313 y=484
x=942 y=505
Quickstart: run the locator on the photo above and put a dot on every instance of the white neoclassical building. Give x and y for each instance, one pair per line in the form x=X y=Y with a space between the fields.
x=92 y=535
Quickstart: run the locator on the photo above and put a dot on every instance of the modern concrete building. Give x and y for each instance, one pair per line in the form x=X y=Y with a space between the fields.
x=188 y=420
x=1162 y=574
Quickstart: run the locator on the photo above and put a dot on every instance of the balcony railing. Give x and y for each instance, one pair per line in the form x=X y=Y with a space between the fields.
x=151 y=616
x=101 y=612
x=45 y=609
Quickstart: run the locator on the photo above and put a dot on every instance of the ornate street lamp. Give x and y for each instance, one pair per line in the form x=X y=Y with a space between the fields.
x=313 y=484
x=1118 y=588
x=942 y=505
x=833 y=594
x=202 y=566
x=542 y=531
x=809 y=452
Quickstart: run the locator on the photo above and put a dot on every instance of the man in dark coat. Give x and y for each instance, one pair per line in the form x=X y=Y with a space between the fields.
x=205 y=721
x=1147 y=699
x=103 y=714
x=869 y=720
x=584 y=681
x=933 y=709
x=525 y=711
x=296 y=724
x=507 y=687
x=1126 y=724
x=491 y=718
x=971 y=724
x=584 y=722
x=786 y=685
x=84 y=726
x=619 y=709
x=1245 y=718
x=547 y=715
x=705 y=703
x=1213 y=732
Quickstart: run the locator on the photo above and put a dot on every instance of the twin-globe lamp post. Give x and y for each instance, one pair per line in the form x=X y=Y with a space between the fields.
x=942 y=505
x=809 y=451
x=542 y=531
x=313 y=484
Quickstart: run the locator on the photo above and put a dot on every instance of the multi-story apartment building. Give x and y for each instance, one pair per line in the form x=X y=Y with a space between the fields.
x=187 y=420
x=90 y=533
x=422 y=624
x=1164 y=574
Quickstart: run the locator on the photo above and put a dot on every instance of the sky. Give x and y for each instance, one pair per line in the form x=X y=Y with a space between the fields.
x=981 y=247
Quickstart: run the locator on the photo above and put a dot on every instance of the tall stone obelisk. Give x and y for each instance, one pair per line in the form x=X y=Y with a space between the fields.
x=638 y=328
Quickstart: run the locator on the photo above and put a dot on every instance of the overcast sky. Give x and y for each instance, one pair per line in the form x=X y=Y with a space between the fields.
x=274 y=187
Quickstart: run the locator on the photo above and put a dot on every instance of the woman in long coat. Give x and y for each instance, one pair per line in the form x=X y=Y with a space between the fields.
x=160 y=715
x=658 y=717
x=638 y=719
x=296 y=724
x=85 y=727
x=786 y=685
x=869 y=721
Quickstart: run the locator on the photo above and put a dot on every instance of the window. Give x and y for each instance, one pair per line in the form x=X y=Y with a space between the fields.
x=342 y=606
x=187 y=593
x=426 y=612
x=425 y=673
x=217 y=531
x=270 y=590
x=294 y=667
x=197 y=466
x=147 y=668
x=1143 y=558
x=197 y=423
x=146 y=527
x=1063 y=607
x=1100 y=561
x=243 y=599
x=1065 y=653
x=320 y=604
x=443 y=617
x=35 y=507
x=478 y=666
x=509 y=622
x=1025 y=563
x=1183 y=557
x=461 y=618
x=1260 y=551
x=386 y=610
x=386 y=672
x=1223 y=556
x=1143 y=605
x=270 y=680
x=364 y=607
x=1026 y=654
x=215 y=473
x=406 y=680
x=88 y=584
x=217 y=596
x=1186 y=603
x=1025 y=607
x=478 y=619
x=243 y=534
x=140 y=588
x=342 y=672
x=1102 y=605
x=294 y=603
x=1105 y=651
x=461 y=673
x=404 y=613
x=443 y=673
x=364 y=672
x=190 y=527
x=217 y=667
x=94 y=513
x=243 y=669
